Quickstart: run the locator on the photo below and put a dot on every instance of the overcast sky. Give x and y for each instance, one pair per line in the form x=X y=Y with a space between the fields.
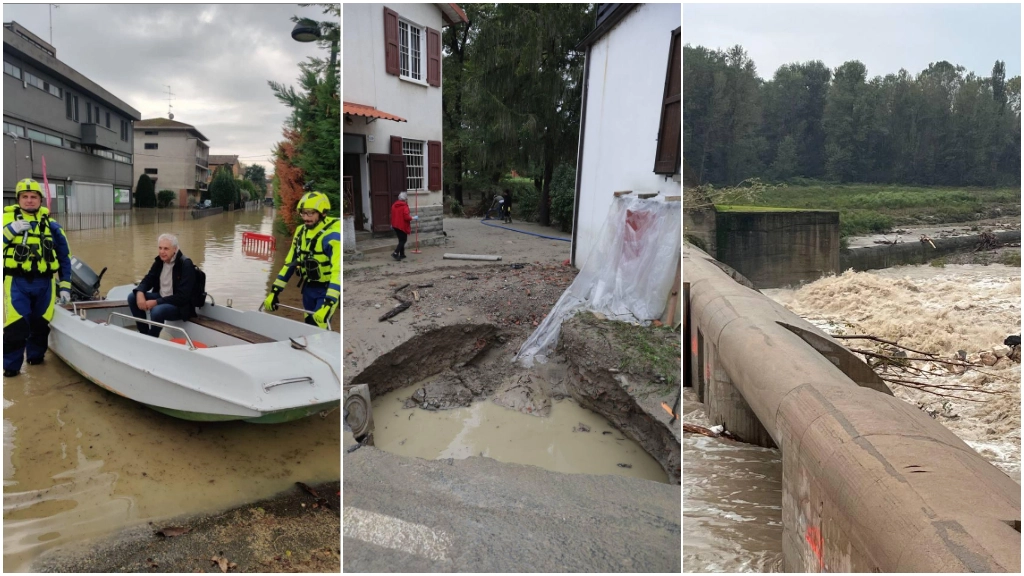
x=217 y=59
x=884 y=37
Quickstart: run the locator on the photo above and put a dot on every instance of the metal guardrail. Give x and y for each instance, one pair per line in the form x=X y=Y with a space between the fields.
x=267 y=386
x=188 y=339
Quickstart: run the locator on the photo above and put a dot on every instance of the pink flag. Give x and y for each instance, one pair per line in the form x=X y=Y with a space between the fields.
x=46 y=184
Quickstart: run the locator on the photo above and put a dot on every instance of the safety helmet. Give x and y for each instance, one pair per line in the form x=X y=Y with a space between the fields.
x=28 y=185
x=315 y=201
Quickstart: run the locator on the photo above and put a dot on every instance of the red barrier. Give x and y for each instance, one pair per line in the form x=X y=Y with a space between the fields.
x=260 y=241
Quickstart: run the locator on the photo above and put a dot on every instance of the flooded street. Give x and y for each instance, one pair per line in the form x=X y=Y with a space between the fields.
x=80 y=462
x=489 y=430
x=732 y=517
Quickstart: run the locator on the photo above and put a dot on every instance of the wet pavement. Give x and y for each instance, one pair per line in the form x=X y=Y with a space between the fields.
x=80 y=462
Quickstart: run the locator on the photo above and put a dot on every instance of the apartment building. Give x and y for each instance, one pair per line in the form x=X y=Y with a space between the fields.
x=52 y=112
x=175 y=156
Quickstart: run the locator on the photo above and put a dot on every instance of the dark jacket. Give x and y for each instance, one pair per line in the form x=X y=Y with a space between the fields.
x=183 y=280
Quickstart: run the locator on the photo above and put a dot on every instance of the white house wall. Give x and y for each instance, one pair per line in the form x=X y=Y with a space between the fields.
x=366 y=82
x=624 y=98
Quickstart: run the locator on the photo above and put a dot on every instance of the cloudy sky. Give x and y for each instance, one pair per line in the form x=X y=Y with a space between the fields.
x=885 y=37
x=217 y=59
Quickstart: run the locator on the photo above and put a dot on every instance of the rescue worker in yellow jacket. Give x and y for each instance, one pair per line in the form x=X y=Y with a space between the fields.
x=35 y=249
x=316 y=256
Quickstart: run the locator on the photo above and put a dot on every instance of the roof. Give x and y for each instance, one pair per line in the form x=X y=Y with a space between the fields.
x=608 y=15
x=452 y=14
x=165 y=124
x=369 y=112
x=224 y=159
x=18 y=40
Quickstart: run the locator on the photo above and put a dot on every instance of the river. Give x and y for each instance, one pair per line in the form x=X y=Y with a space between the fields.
x=732 y=498
x=80 y=462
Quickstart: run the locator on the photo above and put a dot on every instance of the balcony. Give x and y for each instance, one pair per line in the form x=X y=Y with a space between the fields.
x=200 y=185
x=100 y=137
x=202 y=162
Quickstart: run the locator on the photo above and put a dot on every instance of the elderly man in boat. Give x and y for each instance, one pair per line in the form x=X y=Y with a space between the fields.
x=316 y=256
x=35 y=249
x=166 y=291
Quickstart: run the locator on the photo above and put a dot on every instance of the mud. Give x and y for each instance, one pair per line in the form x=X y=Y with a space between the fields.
x=463 y=329
x=291 y=532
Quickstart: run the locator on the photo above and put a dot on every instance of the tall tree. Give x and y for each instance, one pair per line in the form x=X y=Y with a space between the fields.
x=525 y=84
x=258 y=176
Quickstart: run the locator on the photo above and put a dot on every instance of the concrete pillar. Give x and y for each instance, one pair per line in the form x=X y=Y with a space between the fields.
x=726 y=406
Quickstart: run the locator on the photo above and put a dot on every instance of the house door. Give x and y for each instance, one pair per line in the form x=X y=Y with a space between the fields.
x=350 y=168
x=387 y=180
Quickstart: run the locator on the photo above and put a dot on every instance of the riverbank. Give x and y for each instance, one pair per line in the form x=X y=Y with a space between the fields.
x=294 y=531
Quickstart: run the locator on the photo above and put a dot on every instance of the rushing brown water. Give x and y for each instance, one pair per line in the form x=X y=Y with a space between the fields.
x=555 y=442
x=80 y=462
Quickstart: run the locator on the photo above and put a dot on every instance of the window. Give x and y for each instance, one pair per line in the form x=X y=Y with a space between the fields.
x=97 y=114
x=103 y=153
x=73 y=145
x=72 y=107
x=88 y=113
x=410 y=50
x=122 y=158
x=15 y=129
x=47 y=138
x=108 y=119
x=151 y=146
x=124 y=131
x=150 y=171
x=151 y=132
x=413 y=152
x=122 y=195
x=40 y=83
x=12 y=70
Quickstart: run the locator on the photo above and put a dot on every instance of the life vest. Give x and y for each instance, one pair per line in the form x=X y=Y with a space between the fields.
x=312 y=262
x=32 y=252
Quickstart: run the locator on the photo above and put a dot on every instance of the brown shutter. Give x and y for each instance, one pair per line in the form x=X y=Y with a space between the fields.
x=391 y=41
x=398 y=174
x=434 y=162
x=666 y=159
x=433 y=57
x=396 y=145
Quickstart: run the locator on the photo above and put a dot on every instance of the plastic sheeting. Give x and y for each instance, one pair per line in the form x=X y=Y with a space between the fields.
x=628 y=276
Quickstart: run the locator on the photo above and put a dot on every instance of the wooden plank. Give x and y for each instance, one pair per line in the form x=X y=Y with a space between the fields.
x=647 y=195
x=672 y=198
x=225 y=328
x=623 y=193
x=96 y=304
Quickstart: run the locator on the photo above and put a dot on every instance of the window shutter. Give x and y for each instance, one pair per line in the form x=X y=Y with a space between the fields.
x=434 y=162
x=666 y=159
x=433 y=57
x=391 y=41
x=396 y=145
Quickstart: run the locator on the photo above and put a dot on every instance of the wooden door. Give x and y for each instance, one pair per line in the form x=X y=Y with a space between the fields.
x=380 y=193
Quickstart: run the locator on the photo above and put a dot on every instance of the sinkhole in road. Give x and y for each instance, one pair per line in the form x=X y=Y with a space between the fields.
x=569 y=439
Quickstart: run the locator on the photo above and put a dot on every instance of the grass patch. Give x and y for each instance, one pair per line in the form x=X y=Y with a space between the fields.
x=1010 y=258
x=873 y=208
x=653 y=350
x=730 y=208
x=938 y=263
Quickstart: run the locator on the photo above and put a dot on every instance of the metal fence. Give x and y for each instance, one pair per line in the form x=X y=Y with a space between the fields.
x=93 y=220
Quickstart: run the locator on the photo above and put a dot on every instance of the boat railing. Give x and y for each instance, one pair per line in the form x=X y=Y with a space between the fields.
x=303 y=310
x=267 y=386
x=188 y=339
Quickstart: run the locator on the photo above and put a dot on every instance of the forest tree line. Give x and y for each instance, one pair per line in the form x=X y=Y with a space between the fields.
x=942 y=127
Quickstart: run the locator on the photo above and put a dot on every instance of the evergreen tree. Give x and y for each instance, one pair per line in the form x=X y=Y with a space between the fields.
x=145 y=194
x=222 y=189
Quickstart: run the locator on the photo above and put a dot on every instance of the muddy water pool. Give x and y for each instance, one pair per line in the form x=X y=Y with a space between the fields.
x=487 y=429
x=80 y=462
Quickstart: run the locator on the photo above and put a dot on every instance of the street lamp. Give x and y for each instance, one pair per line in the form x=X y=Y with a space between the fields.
x=307 y=30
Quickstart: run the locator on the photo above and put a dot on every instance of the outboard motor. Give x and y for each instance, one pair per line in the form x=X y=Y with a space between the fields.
x=85 y=284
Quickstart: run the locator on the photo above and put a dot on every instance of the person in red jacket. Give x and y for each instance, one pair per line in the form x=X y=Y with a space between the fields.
x=400 y=220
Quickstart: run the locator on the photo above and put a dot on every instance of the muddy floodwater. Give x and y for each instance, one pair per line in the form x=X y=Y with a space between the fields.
x=80 y=462
x=732 y=492
x=486 y=429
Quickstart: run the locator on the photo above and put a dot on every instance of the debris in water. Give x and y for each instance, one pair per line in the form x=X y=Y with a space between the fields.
x=224 y=563
x=620 y=465
x=581 y=428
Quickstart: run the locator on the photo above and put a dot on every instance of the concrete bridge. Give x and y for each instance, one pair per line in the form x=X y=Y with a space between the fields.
x=870 y=483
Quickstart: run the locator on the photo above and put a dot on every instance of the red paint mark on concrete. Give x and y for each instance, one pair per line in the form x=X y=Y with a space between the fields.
x=693 y=344
x=817 y=544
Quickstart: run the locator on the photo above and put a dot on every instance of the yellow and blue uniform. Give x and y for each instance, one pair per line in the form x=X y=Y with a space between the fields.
x=315 y=256
x=31 y=260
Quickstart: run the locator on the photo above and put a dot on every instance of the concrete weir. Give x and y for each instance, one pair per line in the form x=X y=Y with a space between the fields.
x=870 y=483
